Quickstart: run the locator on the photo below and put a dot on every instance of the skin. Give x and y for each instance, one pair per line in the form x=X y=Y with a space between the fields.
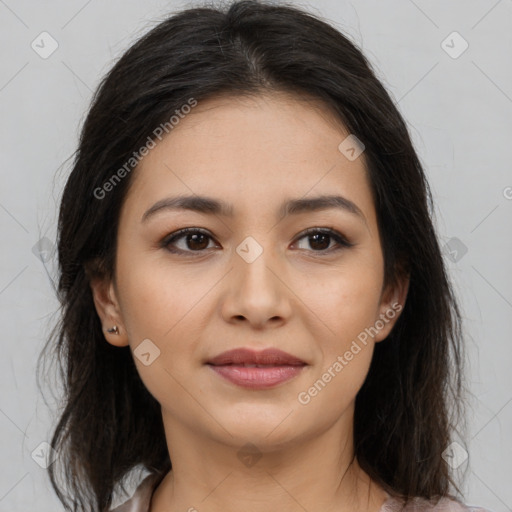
x=307 y=299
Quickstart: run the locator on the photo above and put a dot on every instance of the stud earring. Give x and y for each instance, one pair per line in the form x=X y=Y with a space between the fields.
x=114 y=330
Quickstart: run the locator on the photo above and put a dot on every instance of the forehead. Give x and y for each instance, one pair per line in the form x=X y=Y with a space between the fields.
x=248 y=150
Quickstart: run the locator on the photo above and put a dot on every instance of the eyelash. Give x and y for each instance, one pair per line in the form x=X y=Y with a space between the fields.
x=335 y=235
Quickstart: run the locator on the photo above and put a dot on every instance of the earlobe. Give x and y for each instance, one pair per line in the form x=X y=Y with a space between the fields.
x=107 y=307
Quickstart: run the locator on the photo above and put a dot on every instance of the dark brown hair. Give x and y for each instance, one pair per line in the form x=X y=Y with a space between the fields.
x=408 y=406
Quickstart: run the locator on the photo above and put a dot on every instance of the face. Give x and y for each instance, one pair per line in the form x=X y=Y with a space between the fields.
x=249 y=274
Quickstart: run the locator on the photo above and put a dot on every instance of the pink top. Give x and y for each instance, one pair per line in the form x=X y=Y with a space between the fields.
x=141 y=499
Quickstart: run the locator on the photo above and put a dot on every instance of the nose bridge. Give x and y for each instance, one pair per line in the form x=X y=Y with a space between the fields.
x=256 y=291
x=255 y=263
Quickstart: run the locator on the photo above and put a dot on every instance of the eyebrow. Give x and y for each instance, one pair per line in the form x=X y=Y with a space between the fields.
x=208 y=205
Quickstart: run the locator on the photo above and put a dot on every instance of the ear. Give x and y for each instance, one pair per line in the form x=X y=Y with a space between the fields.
x=392 y=304
x=107 y=307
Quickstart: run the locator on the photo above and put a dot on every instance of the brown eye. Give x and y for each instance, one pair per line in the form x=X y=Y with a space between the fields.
x=193 y=240
x=319 y=240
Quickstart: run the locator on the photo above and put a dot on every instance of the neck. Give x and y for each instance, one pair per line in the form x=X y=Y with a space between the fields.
x=315 y=474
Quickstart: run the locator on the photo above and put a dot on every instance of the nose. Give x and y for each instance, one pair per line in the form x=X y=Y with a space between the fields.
x=257 y=292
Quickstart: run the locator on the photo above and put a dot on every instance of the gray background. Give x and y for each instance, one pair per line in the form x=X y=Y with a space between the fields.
x=459 y=111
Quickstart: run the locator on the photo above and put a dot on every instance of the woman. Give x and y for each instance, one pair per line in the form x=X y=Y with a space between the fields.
x=256 y=309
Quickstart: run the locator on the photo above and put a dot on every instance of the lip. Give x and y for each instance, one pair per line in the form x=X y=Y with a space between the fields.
x=278 y=367
x=269 y=356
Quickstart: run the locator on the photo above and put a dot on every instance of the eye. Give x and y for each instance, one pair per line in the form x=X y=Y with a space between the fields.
x=195 y=240
x=320 y=240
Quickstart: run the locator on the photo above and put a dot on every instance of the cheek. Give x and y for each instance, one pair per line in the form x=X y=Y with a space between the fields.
x=170 y=306
x=163 y=305
x=347 y=307
x=346 y=301
x=159 y=299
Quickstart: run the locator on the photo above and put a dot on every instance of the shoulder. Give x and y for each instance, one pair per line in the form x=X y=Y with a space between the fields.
x=393 y=504
x=141 y=498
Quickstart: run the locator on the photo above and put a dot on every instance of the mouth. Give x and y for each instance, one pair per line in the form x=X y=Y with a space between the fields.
x=252 y=358
x=256 y=370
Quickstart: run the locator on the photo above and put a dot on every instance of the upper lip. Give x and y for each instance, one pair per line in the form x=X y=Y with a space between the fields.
x=269 y=356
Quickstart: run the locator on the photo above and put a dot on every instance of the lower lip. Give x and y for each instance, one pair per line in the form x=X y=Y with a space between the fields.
x=257 y=378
